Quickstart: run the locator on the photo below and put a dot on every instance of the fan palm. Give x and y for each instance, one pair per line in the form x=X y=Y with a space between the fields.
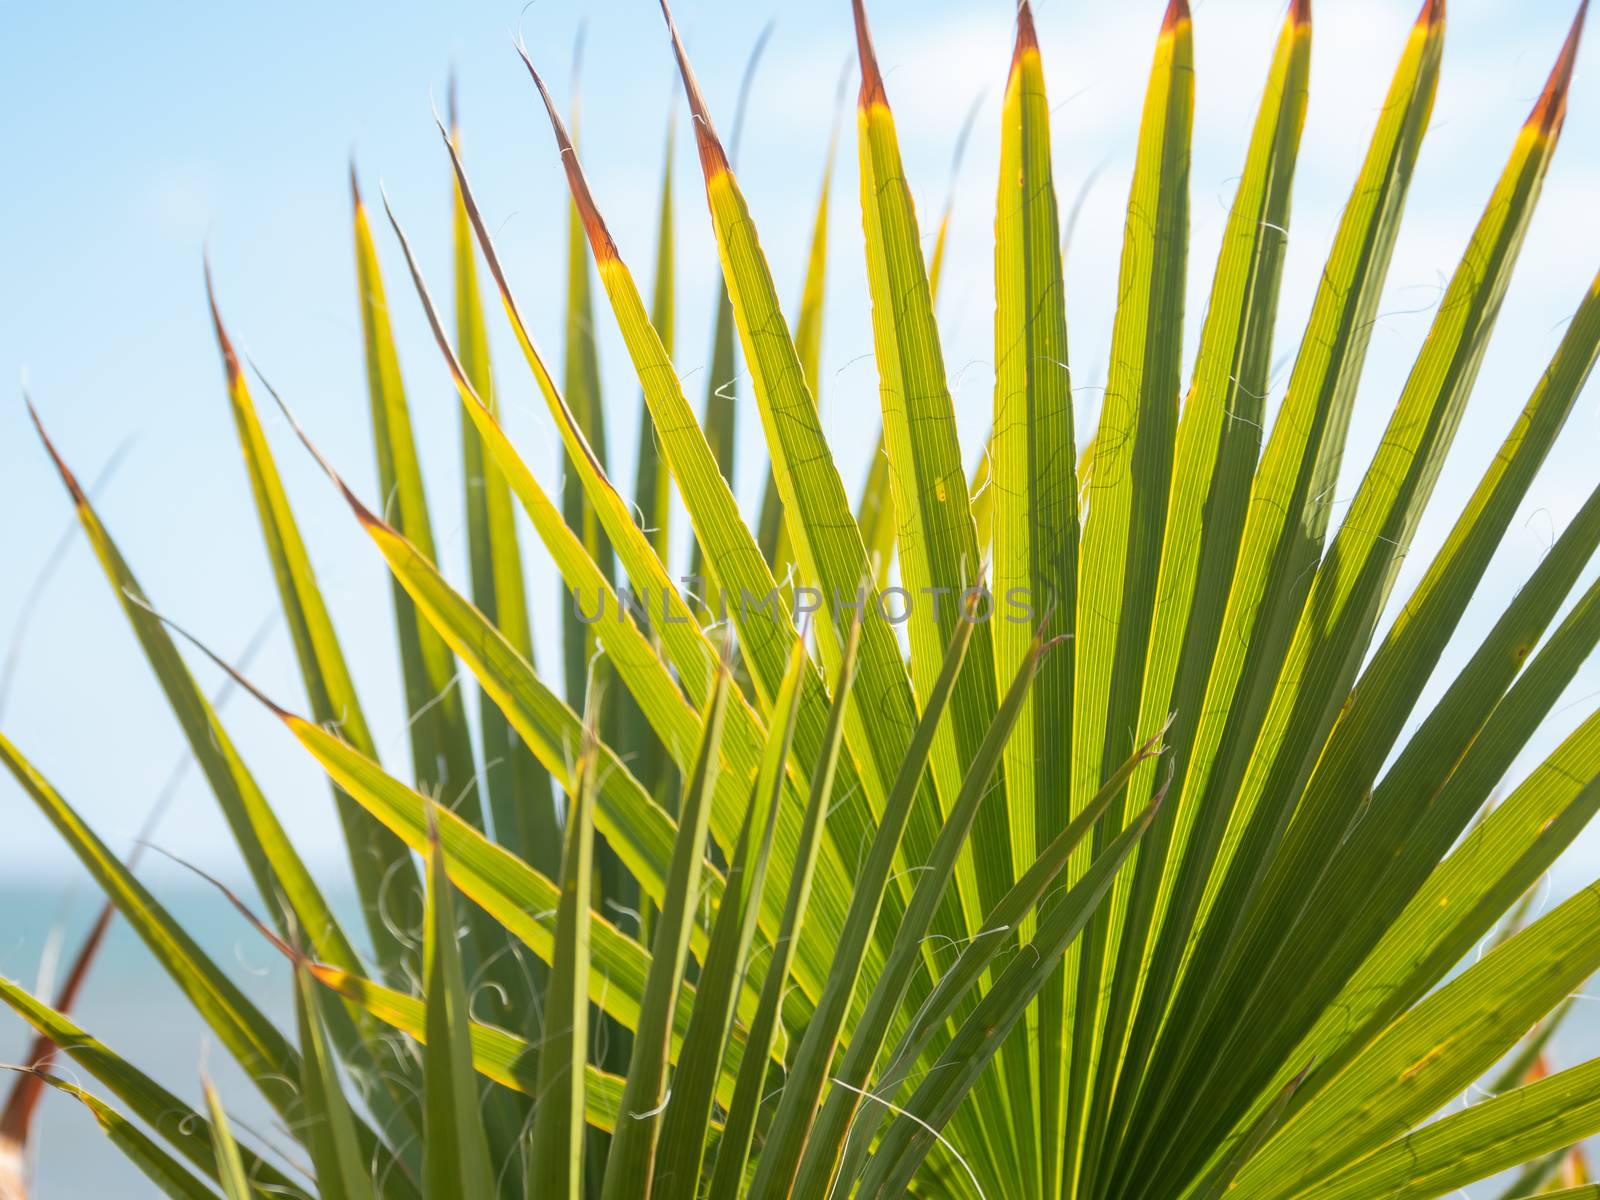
x=1093 y=859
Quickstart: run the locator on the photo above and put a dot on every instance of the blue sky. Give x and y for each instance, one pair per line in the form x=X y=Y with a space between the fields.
x=141 y=133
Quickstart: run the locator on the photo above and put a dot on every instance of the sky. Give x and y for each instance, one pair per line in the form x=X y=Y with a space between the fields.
x=140 y=135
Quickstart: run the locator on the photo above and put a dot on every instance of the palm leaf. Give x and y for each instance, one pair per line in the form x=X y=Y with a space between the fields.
x=1342 y=608
x=651 y=686
x=1284 y=526
x=514 y=781
x=633 y=1145
x=441 y=749
x=506 y=1059
x=385 y=878
x=1218 y=441
x=159 y=1167
x=694 y=1083
x=811 y=1062
x=230 y=1166
x=555 y=1161
x=180 y=1126
x=749 y=1090
x=455 y=1152
x=329 y=1125
x=1131 y=479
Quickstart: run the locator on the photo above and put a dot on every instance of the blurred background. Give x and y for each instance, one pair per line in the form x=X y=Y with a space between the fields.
x=140 y=134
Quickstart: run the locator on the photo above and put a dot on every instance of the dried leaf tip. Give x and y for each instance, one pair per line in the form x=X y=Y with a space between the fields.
x=1027 y=35
x=363 y=514
x=355 y=184
x=713 y=159
x=1551 y=107
x=872 y=91
x=1177 y=14
x=217 y=660
x=1300 y=12
x=605 y=250
x=230 y=360
x=289 y=951
x=1432 y=13
x=67 y=477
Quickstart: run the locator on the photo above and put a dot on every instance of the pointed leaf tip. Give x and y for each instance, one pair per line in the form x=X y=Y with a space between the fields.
x=1027 y=35
x=355 y=184
x=872 y=91
x=605 y=250
x=223 y=665
x=1432 y=13
x=230 y=360
x=713 y=159
x=363 y=514
x=67 y=477
x=1177 y=14
x=290 y=951
x=1300 y=12
x=1551 y=108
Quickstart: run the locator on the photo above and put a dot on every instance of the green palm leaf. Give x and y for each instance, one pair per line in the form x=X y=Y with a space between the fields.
x=441 y=749
x=633 y=1146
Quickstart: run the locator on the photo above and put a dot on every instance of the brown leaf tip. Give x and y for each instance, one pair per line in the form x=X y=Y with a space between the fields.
x=1177 y=14
x=363 y=514
x=67 y=477
x=1432 y=13
x=1027 y=35
x=1300 y=12
x=1551 y=108
x=230 y=360
x=605 y=250
x=292 y=953
x=713 y=158
x=872 y=91
x=355 y=185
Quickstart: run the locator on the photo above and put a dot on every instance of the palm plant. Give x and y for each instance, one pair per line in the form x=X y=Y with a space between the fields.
x=1116 y=878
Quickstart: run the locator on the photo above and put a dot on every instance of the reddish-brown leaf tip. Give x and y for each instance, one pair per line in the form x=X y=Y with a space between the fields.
x=1177 y=14
x=1300 y=12
x=355 y=184
x=222 y=664
x=67 y=477
x=1432 y=13
x=605 y=250
x=291 y=952
x=430 y=311
x=1027 y=35
x=713 y=159
x=475 y=216
x=363 y=514
x=1551 y=108
x=872 y=91
x=230 y=360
